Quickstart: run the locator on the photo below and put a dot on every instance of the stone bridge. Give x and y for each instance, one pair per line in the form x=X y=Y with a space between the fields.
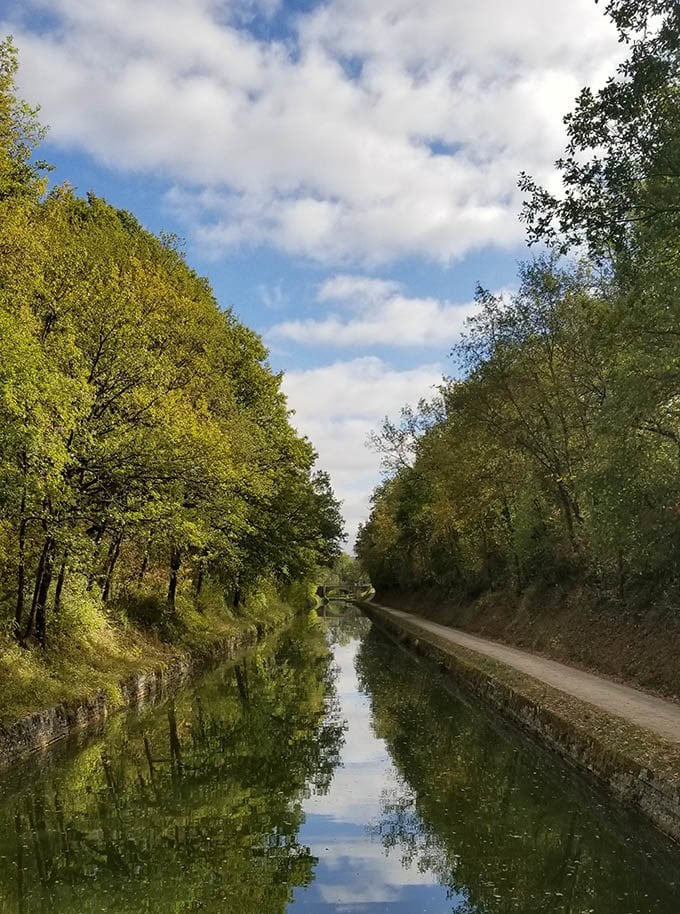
x=345 y=591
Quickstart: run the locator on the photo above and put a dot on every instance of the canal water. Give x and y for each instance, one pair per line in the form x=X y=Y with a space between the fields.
x=327 y=771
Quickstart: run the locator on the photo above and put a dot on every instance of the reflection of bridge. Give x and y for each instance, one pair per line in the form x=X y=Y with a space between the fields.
x=346 y=592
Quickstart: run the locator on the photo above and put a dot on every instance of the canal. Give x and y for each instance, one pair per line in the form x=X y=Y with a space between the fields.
x=326 y=771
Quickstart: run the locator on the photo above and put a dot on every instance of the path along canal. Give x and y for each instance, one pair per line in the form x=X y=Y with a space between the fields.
x=328 y=771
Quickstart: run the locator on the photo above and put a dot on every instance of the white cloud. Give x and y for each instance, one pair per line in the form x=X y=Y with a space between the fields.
x=272 y=296
x=365 y=776
x=347 y=288
x=368 y=132
x=382 y=315
x=338 y=405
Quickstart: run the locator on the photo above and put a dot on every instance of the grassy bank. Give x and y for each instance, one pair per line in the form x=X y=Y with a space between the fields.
x=573 y=625
x=94 y=647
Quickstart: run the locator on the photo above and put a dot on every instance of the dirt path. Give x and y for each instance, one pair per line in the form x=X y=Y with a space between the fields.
x=648 y=711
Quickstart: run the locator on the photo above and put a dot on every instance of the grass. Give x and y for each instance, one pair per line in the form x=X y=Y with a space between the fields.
x=93 y=650
x=71 y=670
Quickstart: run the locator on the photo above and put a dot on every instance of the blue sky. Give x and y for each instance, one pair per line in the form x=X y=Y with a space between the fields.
x=344 y=172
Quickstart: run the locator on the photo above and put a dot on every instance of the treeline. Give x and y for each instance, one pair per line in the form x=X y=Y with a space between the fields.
x=145 y=444
x=554 y=453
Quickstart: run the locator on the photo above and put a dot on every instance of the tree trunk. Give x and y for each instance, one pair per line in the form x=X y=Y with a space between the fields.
x=36 y=823
x=201 y=574
x=41 y=605
x=145 y=564
x=175 y=563
x=36 y=589
x=60 y=582
x=21 y=865
x=95 y=558
x=241 y=674
x=114 y=552
x=21 y=570
x=175 y=745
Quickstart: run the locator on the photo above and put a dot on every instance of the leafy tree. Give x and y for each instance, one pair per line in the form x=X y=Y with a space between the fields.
x=145 y=443
x=621 y=168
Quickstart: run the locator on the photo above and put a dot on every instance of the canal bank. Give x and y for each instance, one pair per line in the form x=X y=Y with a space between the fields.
x=163 y=671
x=637 y=766
x=328 y=770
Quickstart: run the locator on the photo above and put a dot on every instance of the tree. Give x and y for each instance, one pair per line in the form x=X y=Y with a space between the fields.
x=621 y=168
x=145 y=443
x=20 y=134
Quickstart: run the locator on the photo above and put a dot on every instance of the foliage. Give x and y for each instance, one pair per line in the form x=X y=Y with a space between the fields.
x=345 y=570
x=557 y=452
x=621 y=167
x=146 y=451
x=193 y=805
x=551 y=460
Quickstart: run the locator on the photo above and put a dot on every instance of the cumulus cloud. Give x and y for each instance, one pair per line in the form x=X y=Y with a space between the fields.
x=357 y=133
x=383 y=315
x=338 y=405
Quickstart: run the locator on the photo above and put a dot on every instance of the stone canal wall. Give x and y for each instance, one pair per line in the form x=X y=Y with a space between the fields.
x=637 y=768
x=38 y=730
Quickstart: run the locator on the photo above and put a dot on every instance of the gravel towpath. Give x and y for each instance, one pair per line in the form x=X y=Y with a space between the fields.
x=647 y=711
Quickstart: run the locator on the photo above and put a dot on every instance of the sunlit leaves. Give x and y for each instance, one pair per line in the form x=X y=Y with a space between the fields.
x=142 y=428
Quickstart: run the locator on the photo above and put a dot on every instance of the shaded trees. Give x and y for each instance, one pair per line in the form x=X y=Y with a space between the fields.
x=547 y=464
x=559 y=451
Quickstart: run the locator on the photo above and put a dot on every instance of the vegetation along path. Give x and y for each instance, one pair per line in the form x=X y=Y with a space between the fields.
x=648 y=711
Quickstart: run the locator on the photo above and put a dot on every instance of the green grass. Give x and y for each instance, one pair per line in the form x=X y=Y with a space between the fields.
x=93 y=650
x=71 y=669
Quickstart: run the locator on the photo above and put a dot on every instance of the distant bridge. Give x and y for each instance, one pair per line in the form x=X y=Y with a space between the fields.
x=346 y=592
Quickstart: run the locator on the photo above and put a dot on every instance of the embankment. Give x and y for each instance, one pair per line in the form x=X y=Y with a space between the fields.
x=35 y=731
x=635 y=766
x=639 y=646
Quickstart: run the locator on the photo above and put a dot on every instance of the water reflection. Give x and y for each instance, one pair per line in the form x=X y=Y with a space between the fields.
x=500 y=823
x=196 y=807
x=315 y=782
x=354 y=874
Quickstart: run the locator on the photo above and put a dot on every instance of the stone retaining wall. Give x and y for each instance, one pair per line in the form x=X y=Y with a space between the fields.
x=38 y=730
x=656 y=797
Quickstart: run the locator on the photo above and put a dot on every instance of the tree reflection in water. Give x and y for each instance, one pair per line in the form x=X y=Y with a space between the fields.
x=501 y=823
x=195 y=807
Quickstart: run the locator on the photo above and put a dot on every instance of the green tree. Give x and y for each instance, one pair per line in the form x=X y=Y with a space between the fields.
x=145 y=443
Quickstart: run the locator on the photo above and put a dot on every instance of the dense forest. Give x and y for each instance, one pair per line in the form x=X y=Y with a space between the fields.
x=553 y=452
x=147 y=460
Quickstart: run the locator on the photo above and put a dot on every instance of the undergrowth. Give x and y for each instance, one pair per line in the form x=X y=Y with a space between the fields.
x=93 y=647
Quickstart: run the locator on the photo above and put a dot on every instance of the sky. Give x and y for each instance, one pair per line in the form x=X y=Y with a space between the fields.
x=344 y=172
